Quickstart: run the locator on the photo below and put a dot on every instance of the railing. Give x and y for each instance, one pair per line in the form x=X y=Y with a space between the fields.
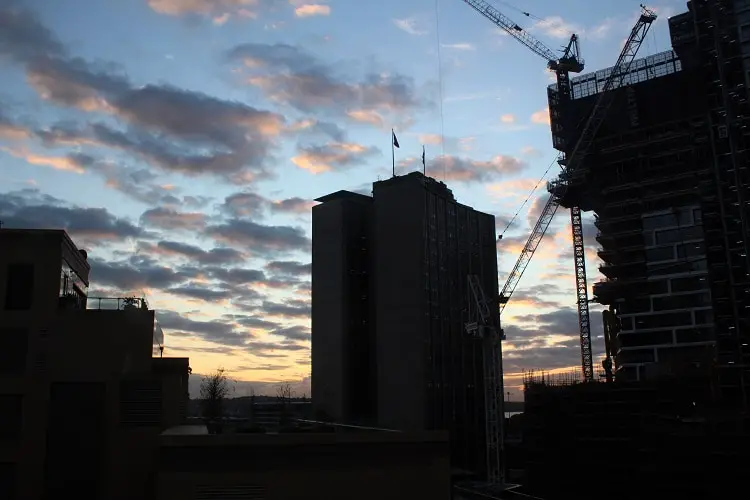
x=116 y=303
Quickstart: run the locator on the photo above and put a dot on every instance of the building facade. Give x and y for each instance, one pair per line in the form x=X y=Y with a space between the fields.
x=667 y=179
x=390 y=301
x=82 y=398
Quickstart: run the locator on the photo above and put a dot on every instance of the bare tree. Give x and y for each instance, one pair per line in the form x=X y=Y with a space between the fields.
x=215 y=388
x=284 y=392
x=283 y=396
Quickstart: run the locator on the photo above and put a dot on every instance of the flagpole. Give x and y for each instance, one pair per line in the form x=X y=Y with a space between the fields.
x=393 y=152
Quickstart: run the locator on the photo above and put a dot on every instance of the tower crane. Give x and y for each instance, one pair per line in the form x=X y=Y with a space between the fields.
x=569 y=62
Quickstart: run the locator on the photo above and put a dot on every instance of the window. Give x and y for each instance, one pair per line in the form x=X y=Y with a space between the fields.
x=679 y=302
x=691 y=250
x=636 y=356
x=11 y=417
x=19 y=287
x=704 y=317
x=663 y=320
x=678 y=235
x=660 y=254
x=13 y=349
x=644 y=339
x=659 y=221
x=689 y=284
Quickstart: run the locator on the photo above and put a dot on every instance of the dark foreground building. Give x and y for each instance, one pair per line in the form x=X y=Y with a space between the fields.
x=668 y=180
x=389 y=307
x=82 y=397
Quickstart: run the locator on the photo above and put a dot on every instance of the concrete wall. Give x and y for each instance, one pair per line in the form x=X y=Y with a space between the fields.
x=400 y=309
x=340 y=310
x=292 y=466
x=327 y=309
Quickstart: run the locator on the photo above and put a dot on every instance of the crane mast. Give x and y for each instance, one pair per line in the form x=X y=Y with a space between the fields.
x=482 y=326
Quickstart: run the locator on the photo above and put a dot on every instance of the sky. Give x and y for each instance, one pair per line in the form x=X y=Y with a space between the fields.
x=182 y=143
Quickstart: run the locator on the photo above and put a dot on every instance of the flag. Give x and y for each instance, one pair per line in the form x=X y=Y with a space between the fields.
x=423 y=164
x=395 y=141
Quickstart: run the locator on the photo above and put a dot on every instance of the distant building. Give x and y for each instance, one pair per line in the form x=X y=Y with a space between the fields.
x=389 y=307
x=82 y=398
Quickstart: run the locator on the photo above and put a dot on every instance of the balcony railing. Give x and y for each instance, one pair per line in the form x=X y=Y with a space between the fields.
x=116 y=303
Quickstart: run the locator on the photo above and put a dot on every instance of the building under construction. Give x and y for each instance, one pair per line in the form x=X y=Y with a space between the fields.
x=667 y=177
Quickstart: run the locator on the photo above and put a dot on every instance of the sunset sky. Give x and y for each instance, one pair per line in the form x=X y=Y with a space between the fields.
x=181 y=142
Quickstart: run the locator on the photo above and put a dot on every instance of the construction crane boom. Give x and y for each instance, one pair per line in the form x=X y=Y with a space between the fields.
x=558 y=189
x=514 y=30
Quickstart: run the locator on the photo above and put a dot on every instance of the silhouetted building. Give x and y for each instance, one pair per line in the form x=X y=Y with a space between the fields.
x=389 y=309
x=82 y=399
x=331 y=466
x=668 y=179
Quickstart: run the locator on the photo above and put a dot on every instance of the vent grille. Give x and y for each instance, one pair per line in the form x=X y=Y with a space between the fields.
x=234 y=492
x=140 y=403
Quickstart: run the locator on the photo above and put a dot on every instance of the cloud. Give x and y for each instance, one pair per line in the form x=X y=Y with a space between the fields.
x=290 y=75
x=531 y=151
x=458 y=46
x=312 y=9
x=294 y=205
x=244 y=204
x=250 y=204
x=135 y=275
x=291 y=308
x=215 y=9
x=332 y=156
x=556 y=27
x=260 y=238
x=29 y=208
x=166 y=126
x=541 y=117
x=288 y=267
x=23 y=37
x=293 y=333
x=508 y=118
x=433 y=139
x=218 y=255
x=409 y=26
x=10 y=129
x=167 y=218
x=216 y=331
x=461 y=169
x=74 y=162
x=366 y=116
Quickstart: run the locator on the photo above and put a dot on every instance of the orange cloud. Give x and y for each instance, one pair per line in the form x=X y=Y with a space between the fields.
x=63 y=163
x=541 y=117
x=508 y=118
x=325 y=158
x=312 y=9
x=366 y=116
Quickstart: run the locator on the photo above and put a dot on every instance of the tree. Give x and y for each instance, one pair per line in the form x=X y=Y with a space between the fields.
x=215 y=388
x=283 y=396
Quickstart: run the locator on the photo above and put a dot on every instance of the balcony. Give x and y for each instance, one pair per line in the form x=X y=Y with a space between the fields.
x=116 y=303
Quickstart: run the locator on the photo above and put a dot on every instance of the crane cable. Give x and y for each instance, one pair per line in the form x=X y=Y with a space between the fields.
x=533 y=190
x=440 y=84
x=527 y=14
